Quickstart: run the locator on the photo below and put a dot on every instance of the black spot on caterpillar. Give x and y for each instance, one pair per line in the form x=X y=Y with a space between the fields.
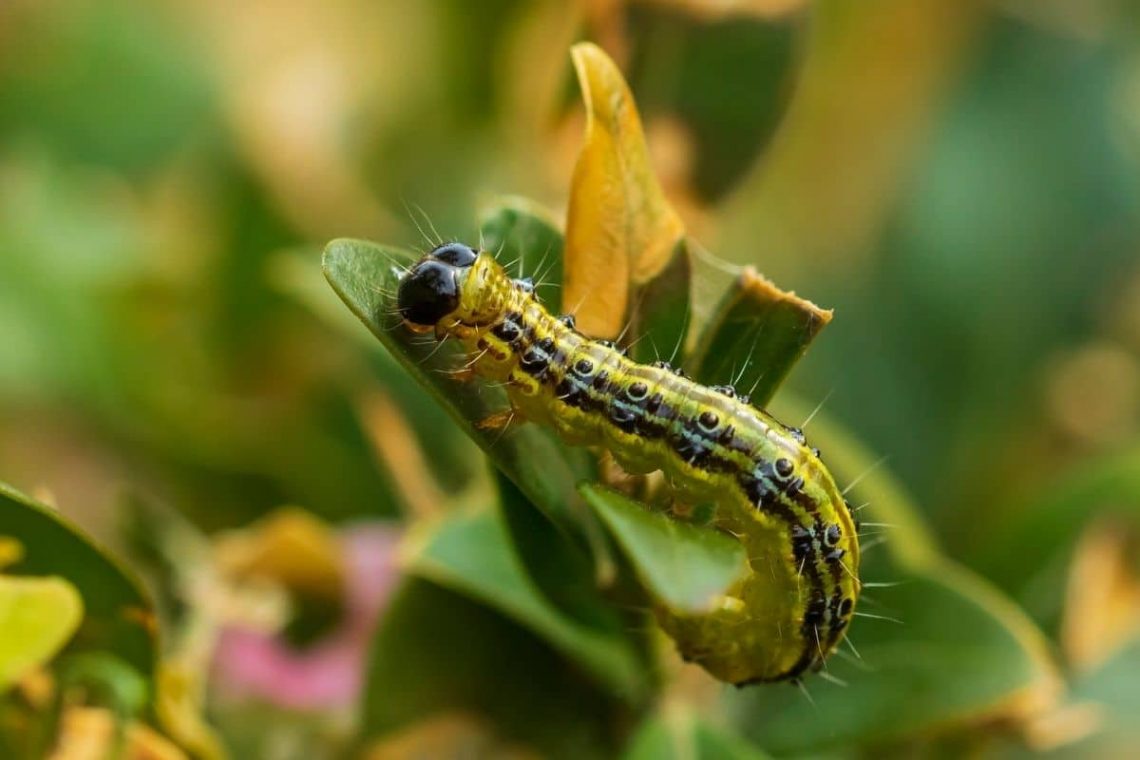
x=770 y=490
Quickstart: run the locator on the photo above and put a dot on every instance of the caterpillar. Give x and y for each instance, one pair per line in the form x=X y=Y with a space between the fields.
x=767 y=487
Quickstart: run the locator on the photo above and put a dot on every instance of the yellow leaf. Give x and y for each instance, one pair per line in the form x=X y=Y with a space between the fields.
x=11 y=551
x=1102 y=602
x=707 y=11
x=619 y=228
x=395 y=444
x=449 y=734
x=91 y=733
x=290 y=547
x=179 y=709
x=37 y=617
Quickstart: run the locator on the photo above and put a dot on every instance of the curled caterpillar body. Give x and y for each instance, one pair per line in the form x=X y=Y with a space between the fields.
x=768 y=488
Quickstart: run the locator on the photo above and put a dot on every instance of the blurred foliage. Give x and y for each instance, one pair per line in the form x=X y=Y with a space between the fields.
x=957 y=180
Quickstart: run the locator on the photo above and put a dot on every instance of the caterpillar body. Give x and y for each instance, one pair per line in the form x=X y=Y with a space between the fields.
x=768 y=488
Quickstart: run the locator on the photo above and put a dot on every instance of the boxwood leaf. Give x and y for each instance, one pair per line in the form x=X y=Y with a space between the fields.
x=437 y=652
x=38 y=616
x=620 y=230
x=473 y=555
x=682 y=735
x=662 y=311
x=118 y=615
x=755 y=336
x=366 y=276
x=683 y=566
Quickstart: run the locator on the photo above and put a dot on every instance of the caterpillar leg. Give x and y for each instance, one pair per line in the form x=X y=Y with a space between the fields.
x=462 y=375
x=682 y=509
x=499 y=420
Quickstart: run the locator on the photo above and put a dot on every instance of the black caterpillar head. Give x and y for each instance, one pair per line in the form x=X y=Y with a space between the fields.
x=430 y=290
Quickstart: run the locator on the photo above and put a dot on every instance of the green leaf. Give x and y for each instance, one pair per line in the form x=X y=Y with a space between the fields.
x=296 y=273
x=526 y=236
x=439 y=652
x=685 y=567
x=684 y=736
x=37 y=616
x=119 y=617
x=473 y=556
x=755 y=336
x=107 y=681
x=662 y=310
x=554 y=561
x=715 y=743
x=366 y=276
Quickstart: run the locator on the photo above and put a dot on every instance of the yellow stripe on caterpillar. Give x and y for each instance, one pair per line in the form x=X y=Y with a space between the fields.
x=770 y=490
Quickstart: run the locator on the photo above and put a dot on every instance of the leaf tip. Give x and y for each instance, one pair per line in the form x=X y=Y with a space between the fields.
x=586 y=53
x=605 y=92
x=759 y=288
x=331 y=253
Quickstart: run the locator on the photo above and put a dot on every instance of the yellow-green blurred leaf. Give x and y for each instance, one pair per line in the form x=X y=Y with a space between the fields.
x=445 y=734
x=97 y=732
x=291 y=547
x=37 y=617
x=119 y=617
x=11 y=551
x=178 y=705
x=1102 y=598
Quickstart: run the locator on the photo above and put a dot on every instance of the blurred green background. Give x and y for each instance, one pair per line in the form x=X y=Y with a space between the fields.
x=957 y=179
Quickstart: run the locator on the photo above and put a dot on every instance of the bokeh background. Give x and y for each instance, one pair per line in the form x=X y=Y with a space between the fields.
x=958 y=179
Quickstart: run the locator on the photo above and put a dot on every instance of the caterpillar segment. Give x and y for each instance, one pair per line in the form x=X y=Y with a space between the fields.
x=768 y=488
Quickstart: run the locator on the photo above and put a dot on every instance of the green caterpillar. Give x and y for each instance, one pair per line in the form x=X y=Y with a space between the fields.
x=770 y=490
